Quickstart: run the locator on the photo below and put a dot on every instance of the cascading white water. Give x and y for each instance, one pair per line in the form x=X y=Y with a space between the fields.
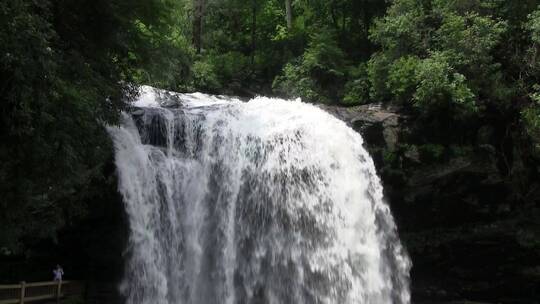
x=266 y=201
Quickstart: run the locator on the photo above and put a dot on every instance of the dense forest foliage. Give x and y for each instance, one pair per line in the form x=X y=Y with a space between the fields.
x=68 y=67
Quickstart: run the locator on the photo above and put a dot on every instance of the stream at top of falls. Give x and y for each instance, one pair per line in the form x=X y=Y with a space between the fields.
x=265 y=201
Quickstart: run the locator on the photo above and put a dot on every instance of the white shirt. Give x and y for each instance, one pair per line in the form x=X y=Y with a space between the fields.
x=58 y=273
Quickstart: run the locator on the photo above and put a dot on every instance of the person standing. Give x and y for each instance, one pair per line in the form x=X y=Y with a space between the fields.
x=58 y=273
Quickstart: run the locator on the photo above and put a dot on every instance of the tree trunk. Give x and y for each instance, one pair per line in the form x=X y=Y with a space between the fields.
x=253 y=33
x=288 y=11
x=198 y=13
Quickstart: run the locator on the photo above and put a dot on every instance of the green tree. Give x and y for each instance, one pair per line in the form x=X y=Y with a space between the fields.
x=531 y=113
x=437 y=52
x=319 y=73
x=67 y=68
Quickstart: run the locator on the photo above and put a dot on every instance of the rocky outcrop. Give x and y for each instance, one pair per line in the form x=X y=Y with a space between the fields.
x=379 y=126
x=471 y=225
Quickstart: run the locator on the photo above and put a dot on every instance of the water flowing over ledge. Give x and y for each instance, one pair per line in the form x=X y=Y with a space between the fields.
x=266 y=201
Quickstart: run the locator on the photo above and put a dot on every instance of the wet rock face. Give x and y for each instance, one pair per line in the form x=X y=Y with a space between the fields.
x=379 y=126
x=470 y=224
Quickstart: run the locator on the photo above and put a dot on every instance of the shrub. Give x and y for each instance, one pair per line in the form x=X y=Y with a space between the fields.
x=204 y=76
x=357 y=89
x=318 y=75
x=439 y=84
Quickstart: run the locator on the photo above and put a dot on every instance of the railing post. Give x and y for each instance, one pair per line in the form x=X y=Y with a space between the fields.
x=23 y=292
x=58 y=291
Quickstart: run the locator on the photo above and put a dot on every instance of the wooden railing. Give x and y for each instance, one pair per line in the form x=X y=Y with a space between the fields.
x=30 y=292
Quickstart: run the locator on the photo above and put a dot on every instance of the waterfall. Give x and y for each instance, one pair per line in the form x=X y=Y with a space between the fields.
x=266 y=201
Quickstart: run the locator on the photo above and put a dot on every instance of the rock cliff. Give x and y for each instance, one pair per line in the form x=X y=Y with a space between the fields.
x=470 y=224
